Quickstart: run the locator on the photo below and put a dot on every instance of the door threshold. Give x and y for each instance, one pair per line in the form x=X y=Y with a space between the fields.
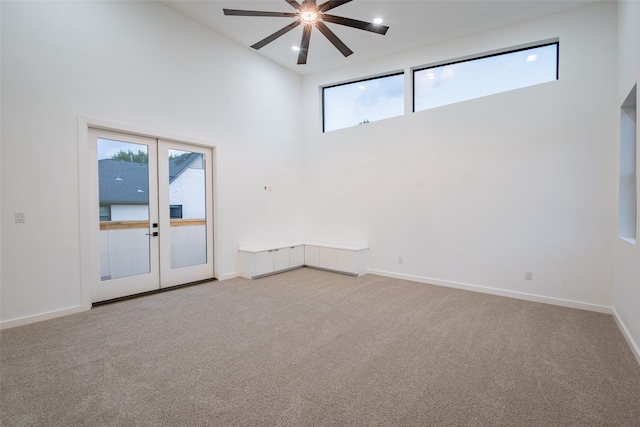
x=155 y=291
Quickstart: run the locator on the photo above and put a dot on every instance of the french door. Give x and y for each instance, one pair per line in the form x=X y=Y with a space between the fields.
x=155 y=201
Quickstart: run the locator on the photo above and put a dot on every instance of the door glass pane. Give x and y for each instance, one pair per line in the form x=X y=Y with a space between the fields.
x=187 y=208
x=123 y=173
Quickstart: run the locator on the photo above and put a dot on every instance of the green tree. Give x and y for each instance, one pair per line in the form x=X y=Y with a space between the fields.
x=130 y=156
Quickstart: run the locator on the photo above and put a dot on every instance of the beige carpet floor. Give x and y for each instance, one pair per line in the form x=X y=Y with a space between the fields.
x=312 y=348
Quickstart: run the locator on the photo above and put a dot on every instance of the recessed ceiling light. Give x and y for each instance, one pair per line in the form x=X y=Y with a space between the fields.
x=296 y=48
x=377 y=21
x=361 y=87
x=531 y=58
x=431 y=76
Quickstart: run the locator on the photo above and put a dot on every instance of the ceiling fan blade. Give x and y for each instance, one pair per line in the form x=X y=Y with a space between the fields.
x=331 y=4
x=354 y=23
x=235 y=12
x=333 y=39
x=294 y=3
x=304 y=44
x=272 y=37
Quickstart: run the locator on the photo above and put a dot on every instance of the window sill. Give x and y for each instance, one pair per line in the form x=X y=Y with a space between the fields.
x=629 y=240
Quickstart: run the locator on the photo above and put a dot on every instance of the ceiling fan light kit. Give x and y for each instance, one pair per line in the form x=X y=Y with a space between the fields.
x=310 y=14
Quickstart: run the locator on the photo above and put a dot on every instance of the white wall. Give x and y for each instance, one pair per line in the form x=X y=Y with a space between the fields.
x=475 y=194
x=139 y=64
x=627 y=276
x=188 y=190
x=129 y=212
x=471 y=194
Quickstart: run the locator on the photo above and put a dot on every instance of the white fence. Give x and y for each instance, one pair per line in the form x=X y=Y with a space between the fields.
x=125 y=252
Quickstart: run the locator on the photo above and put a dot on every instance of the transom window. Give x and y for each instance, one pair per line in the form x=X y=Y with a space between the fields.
x=467 y=79
x=372 y=99
x=362 y=102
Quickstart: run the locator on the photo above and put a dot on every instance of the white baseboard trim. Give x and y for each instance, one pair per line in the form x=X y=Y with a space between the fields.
x=635 y=348
x=229 y=276
x=71 y=310
x=498 y=292
x=21 y=321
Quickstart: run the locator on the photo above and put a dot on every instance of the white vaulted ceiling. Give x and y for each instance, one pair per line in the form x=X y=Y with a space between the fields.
x=412 y=23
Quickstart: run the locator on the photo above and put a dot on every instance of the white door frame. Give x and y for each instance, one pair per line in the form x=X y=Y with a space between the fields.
x=139 y=281
x=88 y=211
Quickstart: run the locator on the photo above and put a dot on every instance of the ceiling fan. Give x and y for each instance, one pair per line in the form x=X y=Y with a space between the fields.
x=310 y=14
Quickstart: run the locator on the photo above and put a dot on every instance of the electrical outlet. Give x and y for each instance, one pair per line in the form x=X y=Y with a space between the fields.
x=528 y=275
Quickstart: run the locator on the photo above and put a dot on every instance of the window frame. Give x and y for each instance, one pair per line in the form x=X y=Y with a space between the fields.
x=349 y=82
x=107 y=215
x=628 y=205
x=506 y=51
x=172 y=211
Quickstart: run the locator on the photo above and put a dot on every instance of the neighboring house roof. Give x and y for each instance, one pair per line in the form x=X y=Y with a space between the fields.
x=179 y=164
x=123 y=182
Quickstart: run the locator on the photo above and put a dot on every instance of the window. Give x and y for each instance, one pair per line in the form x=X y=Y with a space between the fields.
x=467 y=79
x=175 y=211
x=361 y=102
x=105 y=213
x=628 y=203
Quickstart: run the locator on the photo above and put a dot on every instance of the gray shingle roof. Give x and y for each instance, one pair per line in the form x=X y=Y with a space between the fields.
x=121 y=181
x=127 y=183
x=180 y=164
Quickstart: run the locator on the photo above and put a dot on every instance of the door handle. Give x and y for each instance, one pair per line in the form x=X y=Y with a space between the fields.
x=155 y=234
